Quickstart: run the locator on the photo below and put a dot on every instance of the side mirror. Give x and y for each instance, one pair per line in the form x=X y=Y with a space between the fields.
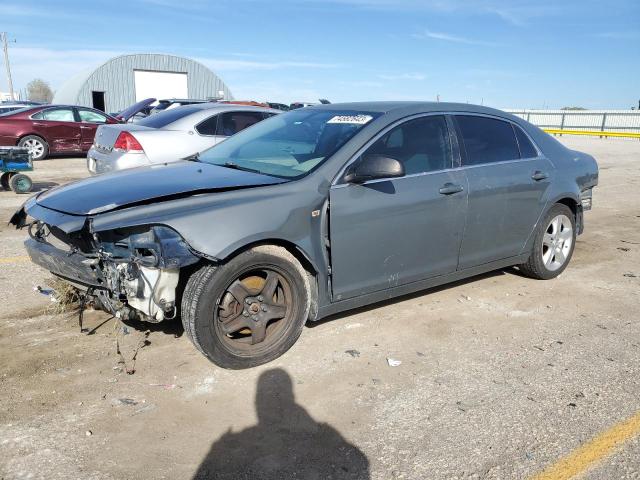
x=372 y=167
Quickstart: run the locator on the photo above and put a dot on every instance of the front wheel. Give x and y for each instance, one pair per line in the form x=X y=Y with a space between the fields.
x=553 y=246
x=249 y=310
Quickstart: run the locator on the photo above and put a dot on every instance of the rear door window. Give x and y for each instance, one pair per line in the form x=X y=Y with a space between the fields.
x=59 y=115
x=487 y=140
x=231 y=123
x=527 y=150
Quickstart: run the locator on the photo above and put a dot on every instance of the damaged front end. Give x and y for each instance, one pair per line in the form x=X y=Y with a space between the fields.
x=133 y=272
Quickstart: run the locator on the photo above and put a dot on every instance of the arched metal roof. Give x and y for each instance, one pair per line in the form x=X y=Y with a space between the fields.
x=115 y=77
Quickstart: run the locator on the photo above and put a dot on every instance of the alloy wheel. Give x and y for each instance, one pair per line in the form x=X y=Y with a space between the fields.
x=557 y=242
x=254 y=310
x=35 y=147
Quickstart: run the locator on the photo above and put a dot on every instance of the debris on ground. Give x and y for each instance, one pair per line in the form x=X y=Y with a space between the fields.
x=64 y=297
x=130 y=367
x=166 y=386
x=124 y=401
x=630 y=275
x=624 y=249
x=88 y=433
x=353 y=353
x=393 y=362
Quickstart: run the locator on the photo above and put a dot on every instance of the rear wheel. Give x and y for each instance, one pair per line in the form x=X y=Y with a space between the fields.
x=248 y=311
x=553 y=244
x=38 y=147
x=20 y=183
x=4 y=180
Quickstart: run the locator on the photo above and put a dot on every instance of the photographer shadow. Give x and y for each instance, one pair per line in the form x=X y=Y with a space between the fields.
x=286 y=443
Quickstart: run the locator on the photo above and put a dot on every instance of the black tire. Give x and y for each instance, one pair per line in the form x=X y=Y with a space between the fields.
x=535 y=266
x=42 y=153
x=207 y=299
x=20 y=183
x=4 y=180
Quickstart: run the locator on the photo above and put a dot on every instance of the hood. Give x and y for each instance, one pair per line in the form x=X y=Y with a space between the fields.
x=129 y=112
x=147 y=184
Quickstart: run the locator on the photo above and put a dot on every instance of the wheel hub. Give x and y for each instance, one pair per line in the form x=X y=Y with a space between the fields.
x=251 y=305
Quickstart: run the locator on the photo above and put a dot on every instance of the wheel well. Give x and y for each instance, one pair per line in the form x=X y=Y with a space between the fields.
x=33 y=135
x=289 y=246
x=571 y=203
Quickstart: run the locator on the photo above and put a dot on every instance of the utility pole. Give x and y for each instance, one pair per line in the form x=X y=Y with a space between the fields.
x=6 y=63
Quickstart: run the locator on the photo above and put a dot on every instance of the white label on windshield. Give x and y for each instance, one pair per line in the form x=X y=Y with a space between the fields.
x=352 y=119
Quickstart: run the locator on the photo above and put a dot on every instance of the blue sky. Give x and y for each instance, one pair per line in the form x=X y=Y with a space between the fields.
x=518 y=53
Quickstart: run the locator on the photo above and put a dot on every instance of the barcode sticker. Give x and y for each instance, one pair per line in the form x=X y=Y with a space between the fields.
x=352 y=119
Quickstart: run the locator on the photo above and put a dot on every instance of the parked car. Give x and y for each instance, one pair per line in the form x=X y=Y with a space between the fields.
x=50 y=129
x=170 y=135
x=169 y=103
x=10 y=107
x=313 y=212
x=279 y=106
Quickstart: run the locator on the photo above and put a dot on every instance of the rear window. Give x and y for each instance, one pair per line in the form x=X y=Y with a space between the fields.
x=162 y=119
x=487 y=140
x=527 y=150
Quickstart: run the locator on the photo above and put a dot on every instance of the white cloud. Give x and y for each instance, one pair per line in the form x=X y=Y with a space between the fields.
x=403 y=76
x=447 y=37
x=225 y=64
x=53 y=66
x=619 y=35
x=57 y=65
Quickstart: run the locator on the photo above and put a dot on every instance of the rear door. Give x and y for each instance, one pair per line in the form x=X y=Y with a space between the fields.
x=89 y=122
x=58 y=126
x=507 y=182
x=391 y=232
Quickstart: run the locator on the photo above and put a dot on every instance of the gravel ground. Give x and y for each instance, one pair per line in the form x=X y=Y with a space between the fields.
x=500 y=376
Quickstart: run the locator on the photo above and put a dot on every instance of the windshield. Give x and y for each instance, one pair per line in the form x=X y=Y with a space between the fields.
x=289 y=145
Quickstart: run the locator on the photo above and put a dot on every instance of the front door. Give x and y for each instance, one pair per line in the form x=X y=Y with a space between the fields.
x=89 y=122
x=507 y=183
x=391 y=232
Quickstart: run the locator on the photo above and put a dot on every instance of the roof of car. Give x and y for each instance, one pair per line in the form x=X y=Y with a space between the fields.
x=387 y=107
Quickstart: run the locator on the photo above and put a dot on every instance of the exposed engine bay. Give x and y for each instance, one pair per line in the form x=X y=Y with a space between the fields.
x=132 y=272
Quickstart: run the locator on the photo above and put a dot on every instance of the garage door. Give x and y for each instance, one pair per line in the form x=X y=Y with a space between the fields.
x=160 y=85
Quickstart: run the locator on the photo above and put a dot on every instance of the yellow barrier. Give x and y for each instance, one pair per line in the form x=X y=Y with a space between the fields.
x=596 y=133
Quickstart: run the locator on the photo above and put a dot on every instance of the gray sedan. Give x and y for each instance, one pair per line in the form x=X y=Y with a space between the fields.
x=314 y=212
x=170 y=135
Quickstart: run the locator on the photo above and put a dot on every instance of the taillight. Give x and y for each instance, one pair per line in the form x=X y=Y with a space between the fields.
x=127 y=142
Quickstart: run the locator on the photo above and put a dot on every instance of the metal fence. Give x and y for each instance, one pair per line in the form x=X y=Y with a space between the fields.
x=623 y=123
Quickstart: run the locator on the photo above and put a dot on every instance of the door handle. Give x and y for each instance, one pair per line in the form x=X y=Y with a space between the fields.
x=538 y=175
x=450 y=189
x=84 y=127
x=37 y=124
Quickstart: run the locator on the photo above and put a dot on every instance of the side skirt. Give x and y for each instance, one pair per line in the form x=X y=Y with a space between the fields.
x=383 y=295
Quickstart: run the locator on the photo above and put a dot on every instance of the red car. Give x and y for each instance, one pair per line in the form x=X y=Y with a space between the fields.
x=47 y=129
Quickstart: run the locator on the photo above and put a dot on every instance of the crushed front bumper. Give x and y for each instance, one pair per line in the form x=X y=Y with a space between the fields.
x=71 y=266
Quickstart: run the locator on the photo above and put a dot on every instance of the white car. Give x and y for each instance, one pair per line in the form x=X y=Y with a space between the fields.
x=169 y=136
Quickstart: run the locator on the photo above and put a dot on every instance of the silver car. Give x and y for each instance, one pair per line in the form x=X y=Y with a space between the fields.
x=170 y=135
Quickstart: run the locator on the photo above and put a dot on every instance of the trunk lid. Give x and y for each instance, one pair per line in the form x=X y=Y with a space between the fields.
x=129 y=112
